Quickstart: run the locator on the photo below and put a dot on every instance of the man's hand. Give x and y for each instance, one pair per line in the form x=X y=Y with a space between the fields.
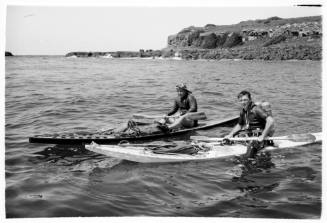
x=228 y=136
x=261 y=138
x=182 y=113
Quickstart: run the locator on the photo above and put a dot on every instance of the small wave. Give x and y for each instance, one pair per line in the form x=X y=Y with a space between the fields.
x=213 y=93
x=302 y=172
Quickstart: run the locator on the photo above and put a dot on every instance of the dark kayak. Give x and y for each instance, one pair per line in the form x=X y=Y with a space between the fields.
x=110 y=139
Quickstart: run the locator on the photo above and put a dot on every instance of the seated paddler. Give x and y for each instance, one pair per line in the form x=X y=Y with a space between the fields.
x=255 y=121
x=182 y=114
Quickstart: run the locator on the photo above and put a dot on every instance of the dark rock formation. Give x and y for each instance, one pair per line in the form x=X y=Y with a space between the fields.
x=275 y=40
x=207 y=40
x=8 y=54
x=252 y=39
x=233 y=39
x=186 y=37
x=221 y=39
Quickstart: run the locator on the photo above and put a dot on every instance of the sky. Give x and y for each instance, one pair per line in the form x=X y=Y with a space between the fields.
x=57 y=30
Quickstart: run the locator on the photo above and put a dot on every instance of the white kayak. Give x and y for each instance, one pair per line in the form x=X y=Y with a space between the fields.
x=143 y=154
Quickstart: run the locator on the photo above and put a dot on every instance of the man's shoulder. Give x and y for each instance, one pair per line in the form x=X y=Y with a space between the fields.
x=259 y=111
x=191 y=97
x=257 y=108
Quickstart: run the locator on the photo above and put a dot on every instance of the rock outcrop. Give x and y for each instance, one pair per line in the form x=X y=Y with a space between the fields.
x=208 y=40
x=233 y=39
x=252 y=39
x=275 y=40
x=8 y=54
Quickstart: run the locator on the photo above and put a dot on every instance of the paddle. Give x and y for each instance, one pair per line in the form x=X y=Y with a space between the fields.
x=190 y=115
x=138 y=122
x=295 y=137
x=144 y=116
x=103 y=130
x=147 y=144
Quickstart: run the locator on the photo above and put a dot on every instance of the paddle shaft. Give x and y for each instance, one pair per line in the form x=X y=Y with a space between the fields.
x=142 y=116
x=298 y=138
x=190 y=115
x=146 y=145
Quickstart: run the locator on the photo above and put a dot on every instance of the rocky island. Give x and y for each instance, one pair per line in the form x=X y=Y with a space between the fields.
x=8 y=54
x=267 y=39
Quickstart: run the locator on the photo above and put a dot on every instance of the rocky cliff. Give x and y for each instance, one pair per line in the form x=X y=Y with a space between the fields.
x=269 y=39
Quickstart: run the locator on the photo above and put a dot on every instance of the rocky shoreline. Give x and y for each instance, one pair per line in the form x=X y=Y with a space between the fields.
x=270 y=39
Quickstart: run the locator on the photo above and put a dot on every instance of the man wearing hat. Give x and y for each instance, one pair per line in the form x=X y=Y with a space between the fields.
x=184 y=103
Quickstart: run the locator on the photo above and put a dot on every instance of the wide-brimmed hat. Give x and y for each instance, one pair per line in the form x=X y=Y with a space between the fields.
x=183 y=87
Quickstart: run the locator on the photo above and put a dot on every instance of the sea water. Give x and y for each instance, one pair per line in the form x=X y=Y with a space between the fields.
x=54 y=94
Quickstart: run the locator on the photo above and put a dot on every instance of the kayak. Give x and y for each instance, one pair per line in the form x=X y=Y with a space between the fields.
x=77 y=139
x=143 y=154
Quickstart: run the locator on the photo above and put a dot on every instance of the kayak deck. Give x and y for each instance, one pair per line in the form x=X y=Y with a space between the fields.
x=110 y=139
x=214 y=151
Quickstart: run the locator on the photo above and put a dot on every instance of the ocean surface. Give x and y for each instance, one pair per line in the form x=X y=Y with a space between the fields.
x=54 y=94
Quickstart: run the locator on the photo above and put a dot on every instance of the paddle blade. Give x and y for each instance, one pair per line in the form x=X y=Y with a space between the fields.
x=295 y=138
x=300 y=138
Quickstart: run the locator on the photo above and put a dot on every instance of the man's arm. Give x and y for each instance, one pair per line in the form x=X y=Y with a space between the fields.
x=236 y=129
x=193 y=104
x=174 y=109
x=238 y=126
x=269 y=125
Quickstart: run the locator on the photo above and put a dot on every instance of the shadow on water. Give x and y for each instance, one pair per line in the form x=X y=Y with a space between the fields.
x=251 y=177
x=250 y=170
x=66 y=155
x=267 y=191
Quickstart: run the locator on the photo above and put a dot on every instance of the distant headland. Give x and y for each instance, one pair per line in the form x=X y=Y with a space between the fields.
x=264 y=39
x=8 y=54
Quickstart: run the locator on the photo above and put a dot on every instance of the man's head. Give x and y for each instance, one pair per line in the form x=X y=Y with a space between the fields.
x=182 y=90
x=244 y=97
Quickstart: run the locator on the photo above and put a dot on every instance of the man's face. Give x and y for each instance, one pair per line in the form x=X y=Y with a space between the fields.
x=181 y=93
x=244 y=101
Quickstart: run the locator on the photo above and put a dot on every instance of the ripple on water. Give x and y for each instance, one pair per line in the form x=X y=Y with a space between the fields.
x=85 y=94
